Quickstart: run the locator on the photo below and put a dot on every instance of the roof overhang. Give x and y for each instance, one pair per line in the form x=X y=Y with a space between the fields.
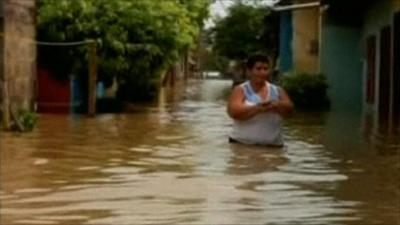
x=297 y=6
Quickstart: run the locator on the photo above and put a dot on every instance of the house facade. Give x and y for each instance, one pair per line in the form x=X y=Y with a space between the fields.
x=299 y=36
x=356 y=45
x=360 y=56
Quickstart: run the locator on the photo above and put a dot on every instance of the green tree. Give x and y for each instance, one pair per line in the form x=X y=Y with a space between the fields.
x=246 y=29
x=138 y=39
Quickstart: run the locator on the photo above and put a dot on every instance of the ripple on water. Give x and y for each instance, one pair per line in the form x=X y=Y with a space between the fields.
x=171 y=164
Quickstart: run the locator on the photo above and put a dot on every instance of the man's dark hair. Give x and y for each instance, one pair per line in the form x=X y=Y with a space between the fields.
x=256 y=58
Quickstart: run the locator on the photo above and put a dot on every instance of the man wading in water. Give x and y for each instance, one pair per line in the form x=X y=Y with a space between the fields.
x=257 y=106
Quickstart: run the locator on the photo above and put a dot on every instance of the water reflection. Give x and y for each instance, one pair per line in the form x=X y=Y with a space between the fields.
x=169 y=162
x=247 y=160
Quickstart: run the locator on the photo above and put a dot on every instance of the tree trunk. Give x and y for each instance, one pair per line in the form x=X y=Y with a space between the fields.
x=19 y=58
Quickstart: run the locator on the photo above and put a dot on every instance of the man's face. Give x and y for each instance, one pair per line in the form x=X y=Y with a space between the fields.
x=260 y=71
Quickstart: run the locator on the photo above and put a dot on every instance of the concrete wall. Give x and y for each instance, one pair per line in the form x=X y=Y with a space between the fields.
x=305 y=40
x=341 y=63
x=19 y=53
x=377 y=15
x=344 y=54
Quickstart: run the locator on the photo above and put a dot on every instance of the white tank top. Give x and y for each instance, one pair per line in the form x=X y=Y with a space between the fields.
x=263 y=128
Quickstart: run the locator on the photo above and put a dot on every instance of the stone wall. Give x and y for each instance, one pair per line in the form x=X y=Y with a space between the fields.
x=19 y=53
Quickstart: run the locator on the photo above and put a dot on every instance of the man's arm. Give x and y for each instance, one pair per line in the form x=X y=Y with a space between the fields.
x=284 y=106
x=238 y=110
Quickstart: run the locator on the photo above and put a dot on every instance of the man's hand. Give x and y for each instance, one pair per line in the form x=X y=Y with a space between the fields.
x=265 y=103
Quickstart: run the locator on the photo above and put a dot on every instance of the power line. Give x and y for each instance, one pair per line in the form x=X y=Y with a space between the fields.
x=64 y=43
x=73 y=43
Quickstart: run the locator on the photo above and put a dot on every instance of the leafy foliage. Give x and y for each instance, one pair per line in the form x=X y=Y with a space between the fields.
x=245 y=30
x=308 y=91
x=214 y=62
x=29 y=120
x=138 y=39
x=24 y=121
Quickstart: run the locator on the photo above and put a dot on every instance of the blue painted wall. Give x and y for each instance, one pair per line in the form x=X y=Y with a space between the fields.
x=377 y=15
x=341 y=63
x=77 y=94
x=285 y=42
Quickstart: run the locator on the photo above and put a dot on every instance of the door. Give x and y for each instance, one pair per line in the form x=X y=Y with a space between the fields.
x=396 y=71
x=384 y=78
x=371 y=68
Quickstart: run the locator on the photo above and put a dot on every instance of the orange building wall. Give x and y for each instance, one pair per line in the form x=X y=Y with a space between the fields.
x=305 y=40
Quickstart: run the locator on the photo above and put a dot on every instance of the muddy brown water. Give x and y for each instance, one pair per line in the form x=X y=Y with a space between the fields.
x=170 y=163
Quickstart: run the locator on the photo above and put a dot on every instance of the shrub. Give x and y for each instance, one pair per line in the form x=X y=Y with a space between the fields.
x=23 y=120
x=308 y=91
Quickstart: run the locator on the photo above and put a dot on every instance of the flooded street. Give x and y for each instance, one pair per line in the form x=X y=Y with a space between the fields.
x=170 y=163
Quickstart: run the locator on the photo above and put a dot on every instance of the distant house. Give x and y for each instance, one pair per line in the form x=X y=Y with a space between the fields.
x=212 y=74
x=299 y=36
x=355 y=44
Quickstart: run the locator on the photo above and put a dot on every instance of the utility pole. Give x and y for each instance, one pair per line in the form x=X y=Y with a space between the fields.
x=92 y=78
